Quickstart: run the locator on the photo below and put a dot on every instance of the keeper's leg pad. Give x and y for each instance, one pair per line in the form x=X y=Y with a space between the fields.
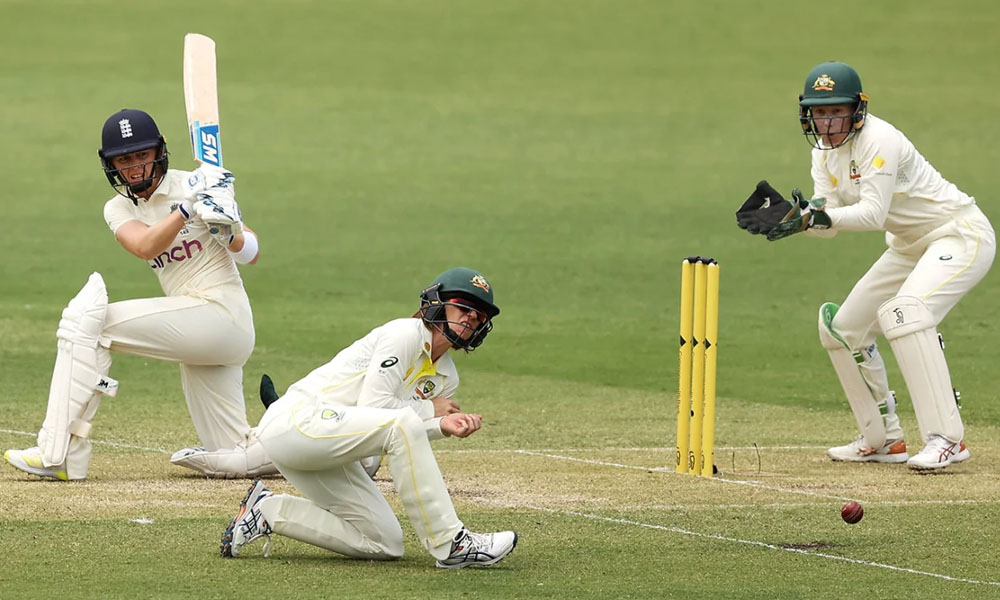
x=862 y=375
x=304 y=520
x=79 y=377
x=911 y=330
x=247 y=460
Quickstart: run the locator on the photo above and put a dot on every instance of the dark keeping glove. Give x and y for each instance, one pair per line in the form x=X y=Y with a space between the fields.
x=763 y=210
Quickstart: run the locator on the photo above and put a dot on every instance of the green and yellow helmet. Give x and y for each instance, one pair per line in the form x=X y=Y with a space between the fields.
x=467 y=288
x=831 y=83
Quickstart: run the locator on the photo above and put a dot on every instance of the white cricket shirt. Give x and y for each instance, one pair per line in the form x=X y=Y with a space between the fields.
x=879 y=181
x=390 y=367
x=194 y=263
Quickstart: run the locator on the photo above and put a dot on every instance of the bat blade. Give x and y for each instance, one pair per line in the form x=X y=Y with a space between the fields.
x=201 y=98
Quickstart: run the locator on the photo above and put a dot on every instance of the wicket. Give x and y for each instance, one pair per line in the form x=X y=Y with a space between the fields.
x=696 y=377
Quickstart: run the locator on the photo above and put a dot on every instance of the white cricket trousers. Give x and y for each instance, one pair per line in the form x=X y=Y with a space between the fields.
x=939 y=268
x=318 y=446
x=211 y=339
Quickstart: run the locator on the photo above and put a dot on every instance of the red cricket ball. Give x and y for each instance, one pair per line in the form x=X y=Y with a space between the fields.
x=852 y=512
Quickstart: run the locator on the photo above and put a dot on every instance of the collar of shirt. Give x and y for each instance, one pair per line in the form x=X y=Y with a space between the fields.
x=444 y=365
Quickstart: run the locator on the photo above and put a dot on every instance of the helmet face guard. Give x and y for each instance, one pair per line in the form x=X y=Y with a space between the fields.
x=856 y=120
x=129 y=131
x=830 y=84
x=432 y=310
x=466 y=289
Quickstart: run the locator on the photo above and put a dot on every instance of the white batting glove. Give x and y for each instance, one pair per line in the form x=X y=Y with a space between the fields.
x=221 y=215
x=216 y=181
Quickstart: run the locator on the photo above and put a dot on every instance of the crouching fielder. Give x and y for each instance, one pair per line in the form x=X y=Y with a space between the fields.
x=388 y=394
x=187 y=226
x=868 y=176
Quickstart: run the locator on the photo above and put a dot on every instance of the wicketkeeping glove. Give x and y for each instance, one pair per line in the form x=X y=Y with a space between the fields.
x=763 y=210
x=804 y=215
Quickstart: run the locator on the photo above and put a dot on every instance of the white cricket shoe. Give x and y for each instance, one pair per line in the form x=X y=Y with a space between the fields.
x=29 y=460
x=939 y=453
x=248 y=524
x=893 y=451
x=470 y=549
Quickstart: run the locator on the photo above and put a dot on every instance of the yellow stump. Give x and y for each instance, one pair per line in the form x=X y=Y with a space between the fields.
x=710 y=343
x=697 y=369
x=684 y=373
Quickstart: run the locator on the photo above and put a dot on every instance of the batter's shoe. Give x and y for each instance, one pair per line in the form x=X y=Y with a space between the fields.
x=939 y=453
x=29 y=460
x=893 y=451
x=248 y=524
x=470 y=549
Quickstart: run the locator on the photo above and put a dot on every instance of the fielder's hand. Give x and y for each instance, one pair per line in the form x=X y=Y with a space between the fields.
x=763 y=210
x=461 y=425
x=803 y=215
x=444 y=406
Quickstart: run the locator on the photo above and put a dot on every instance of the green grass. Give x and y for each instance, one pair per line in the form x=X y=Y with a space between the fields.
x=573 y=151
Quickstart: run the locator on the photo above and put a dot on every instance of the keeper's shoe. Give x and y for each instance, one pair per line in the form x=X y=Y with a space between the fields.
x=939 y=453
x=470 y=549
x=29 y=460
x=893 y=451
x=248 y=524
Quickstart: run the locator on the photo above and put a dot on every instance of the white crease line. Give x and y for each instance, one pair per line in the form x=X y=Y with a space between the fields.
x=483 y=451
x=664 y=449
x=671 y=470
x=752 y=484
x=783 y=505
x=587 y=461
x=678 y=530
x=101 y=442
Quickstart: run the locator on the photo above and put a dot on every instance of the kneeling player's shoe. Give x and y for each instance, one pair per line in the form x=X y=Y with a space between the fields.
x=470 y=549
x=939 y=453
x=248 y=524
x=893 y=451
x=29 y=460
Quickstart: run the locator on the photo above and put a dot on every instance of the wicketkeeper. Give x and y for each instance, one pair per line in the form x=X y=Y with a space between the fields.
x=188 y=227
x=389 y=394
x=868 y=176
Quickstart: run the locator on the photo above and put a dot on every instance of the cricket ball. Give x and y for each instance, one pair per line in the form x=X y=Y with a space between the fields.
x=852 y=512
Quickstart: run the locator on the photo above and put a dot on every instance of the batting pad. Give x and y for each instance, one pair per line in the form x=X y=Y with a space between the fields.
x=247 y=460
x=912 y=332
x=79 y=376
x=863 y=393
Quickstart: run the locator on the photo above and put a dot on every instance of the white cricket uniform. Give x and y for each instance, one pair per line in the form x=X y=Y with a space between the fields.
x=374 y=397
x=940 y=245
x=204 y=322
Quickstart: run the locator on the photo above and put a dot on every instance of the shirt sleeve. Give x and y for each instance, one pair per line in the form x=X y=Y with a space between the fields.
x=394 y=353
x=823 y=187
x=433 y=428
x=117 y=213
x=878 y=162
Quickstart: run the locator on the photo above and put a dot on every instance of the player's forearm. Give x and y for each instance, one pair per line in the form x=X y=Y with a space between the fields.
x=148 y=242
x=244 y=248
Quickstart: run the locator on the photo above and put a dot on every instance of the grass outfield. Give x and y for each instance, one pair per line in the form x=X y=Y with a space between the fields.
x=573 y=151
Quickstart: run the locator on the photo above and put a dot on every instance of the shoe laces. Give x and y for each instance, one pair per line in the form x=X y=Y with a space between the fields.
x=473 y=542
x=253 y=525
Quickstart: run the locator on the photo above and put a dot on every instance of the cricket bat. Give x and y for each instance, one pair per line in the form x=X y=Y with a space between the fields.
x=201 y=98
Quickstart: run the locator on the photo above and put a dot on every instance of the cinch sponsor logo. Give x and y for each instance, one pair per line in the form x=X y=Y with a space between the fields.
x=175 y=254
